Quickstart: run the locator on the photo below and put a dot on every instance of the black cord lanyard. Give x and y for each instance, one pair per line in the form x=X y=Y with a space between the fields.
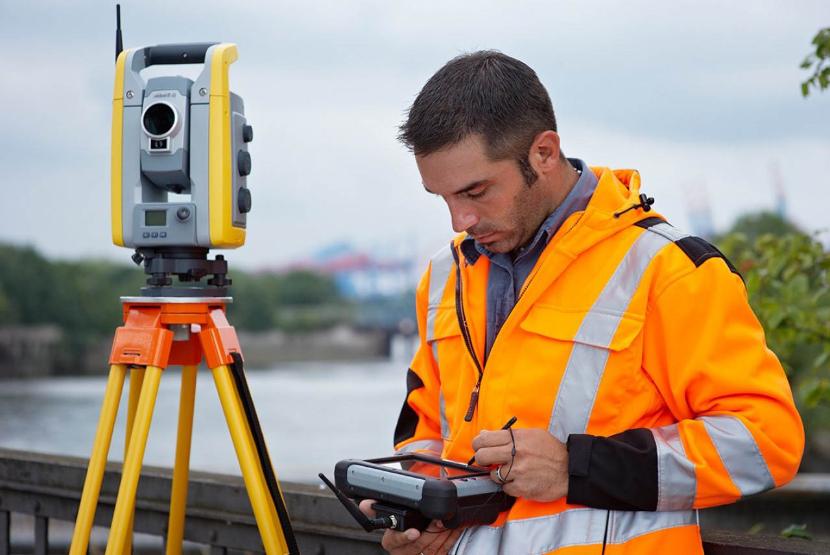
x=605 y=534
x=465 y=333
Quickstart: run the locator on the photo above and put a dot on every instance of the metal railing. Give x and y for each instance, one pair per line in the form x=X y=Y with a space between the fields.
x=219 y=517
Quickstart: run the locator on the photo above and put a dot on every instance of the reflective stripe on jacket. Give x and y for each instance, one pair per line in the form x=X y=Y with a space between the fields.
x=632 y=342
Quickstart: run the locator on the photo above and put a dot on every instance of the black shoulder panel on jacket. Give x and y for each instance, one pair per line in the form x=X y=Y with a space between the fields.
x=617 y=472
x=699 y=251
x=408 y=419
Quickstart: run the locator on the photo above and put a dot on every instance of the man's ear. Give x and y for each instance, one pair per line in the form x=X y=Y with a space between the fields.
x=544 y=152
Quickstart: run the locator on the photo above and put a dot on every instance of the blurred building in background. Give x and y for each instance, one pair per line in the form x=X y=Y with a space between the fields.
x=361 y=274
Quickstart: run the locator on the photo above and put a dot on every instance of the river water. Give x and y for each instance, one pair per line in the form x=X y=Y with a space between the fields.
x=312 y=414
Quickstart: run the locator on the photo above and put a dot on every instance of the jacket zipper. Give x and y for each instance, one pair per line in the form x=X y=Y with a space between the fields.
x=465 y=333
x=465 y=330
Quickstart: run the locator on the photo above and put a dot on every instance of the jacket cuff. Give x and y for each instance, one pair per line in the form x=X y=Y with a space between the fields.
x=617 y=472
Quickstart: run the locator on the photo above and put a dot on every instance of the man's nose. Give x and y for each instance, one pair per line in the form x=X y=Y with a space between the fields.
x=462 y=218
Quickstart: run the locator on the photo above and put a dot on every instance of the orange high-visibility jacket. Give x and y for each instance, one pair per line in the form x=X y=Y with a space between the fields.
x=633 y=343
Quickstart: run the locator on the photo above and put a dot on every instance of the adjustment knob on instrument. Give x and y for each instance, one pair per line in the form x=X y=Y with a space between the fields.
x=243 y=200
x=243 y=162
x=247 y=133
x=183 y=213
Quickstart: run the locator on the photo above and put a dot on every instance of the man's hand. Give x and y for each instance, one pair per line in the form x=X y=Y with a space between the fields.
x=435 y=540
x=539 y=470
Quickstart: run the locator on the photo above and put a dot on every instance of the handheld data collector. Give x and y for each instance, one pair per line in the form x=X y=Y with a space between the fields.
x=412 y=490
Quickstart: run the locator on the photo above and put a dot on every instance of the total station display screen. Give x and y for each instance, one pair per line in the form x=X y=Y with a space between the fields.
x=155 y=218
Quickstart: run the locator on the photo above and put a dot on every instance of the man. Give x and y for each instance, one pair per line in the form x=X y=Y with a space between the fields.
x=627 y=350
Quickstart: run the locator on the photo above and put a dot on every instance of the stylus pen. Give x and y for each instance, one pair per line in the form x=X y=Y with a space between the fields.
x=506 y=426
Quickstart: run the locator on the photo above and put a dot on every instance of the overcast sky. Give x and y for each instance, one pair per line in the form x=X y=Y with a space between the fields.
x=702 y=97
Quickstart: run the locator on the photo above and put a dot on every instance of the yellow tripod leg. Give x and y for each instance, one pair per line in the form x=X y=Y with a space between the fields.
x=178 y=495
x=125 y=503
x=252 y=473
x=136 y=380
x=98 y=460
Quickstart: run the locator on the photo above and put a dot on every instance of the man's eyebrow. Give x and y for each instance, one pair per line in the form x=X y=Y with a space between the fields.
x=462 y=190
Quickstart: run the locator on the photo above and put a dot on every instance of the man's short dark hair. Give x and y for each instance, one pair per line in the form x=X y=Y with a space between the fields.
x=487 y=93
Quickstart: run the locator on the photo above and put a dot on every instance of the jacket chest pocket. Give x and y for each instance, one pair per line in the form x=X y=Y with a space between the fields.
x=596 y=327
x=581 y=353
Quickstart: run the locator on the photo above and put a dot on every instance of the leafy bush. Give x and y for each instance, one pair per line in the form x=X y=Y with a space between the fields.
x=818 y=62
x=788 y=280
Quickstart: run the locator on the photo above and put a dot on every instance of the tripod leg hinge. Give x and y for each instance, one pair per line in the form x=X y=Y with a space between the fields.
x=219 y=340
x=142 y=340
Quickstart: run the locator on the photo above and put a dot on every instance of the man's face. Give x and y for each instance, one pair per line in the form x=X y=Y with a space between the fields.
x=488 y=199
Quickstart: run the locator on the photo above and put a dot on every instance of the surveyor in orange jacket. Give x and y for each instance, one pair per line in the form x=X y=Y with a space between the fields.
x=626 y=348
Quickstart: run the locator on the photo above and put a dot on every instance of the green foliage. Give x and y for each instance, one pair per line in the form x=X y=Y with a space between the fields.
x=254 y=307
x=82 y=297
x=79 y=297
x=754 y=225
x=787 y=276
x=304 y=288
x=818 y=62
x=27 y=284
x=73 y=295
x=6 y=314
x=796 y=531
x=756 y=529
x=266 y=301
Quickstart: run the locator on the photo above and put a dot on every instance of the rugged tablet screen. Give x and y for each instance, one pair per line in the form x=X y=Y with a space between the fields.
x=430 y=466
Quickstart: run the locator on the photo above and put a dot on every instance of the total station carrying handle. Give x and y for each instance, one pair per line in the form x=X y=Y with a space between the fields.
x=185 y=53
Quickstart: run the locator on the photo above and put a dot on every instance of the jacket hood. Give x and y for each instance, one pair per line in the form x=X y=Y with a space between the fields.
x=616 y=191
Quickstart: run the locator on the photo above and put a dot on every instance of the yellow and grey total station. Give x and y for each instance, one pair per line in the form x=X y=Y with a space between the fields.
x=179 y=167
x=180 y=162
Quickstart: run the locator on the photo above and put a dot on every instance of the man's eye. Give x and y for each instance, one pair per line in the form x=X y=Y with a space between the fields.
x=476 y=193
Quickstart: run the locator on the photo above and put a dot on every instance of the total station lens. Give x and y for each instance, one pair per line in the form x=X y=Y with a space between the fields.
x=159 y=119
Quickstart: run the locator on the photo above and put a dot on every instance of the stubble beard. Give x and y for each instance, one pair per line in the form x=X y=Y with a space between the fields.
x=527 y=217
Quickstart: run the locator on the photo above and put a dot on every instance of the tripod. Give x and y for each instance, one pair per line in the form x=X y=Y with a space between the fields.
x=162 y=331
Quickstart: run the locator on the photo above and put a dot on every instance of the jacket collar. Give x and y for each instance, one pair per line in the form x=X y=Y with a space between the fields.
x=616 y=190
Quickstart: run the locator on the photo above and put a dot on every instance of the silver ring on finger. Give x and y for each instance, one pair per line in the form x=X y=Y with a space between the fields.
x=499 y=476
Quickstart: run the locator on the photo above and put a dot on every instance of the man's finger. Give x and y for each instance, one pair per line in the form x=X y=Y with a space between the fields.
x=394 y=540
x=487 y=438
x=493 y=455
x=510 y=488
x=431 y=540
x=502 y=470
x=366 y=508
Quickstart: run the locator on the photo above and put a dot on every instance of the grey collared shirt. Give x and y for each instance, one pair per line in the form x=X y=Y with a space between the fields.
x=508 y=271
